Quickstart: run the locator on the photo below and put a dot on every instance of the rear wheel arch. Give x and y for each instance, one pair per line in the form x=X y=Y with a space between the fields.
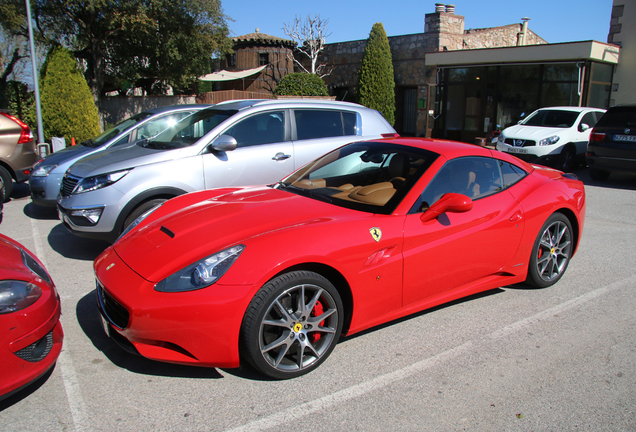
x=574 y=222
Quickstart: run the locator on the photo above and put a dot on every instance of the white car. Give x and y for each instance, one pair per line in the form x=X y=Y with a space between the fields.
x=554 y=136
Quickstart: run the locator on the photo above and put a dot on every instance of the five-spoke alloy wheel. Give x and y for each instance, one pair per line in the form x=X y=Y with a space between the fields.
x=551 y=252
x=292 y=324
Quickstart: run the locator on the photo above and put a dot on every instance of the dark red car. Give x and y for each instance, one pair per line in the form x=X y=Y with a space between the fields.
x=30 y=329
x=366 y=234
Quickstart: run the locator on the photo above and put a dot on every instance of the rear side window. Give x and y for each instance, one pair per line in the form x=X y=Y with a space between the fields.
x=618 y=117
x=510 y=173
x=588 y=119
x=312 y=124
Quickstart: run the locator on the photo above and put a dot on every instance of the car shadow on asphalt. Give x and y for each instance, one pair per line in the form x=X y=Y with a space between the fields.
x=25 y=392
x=73 y=247
x=35 y=211
x=615 y=181
x=424 y=312
x=90 y=321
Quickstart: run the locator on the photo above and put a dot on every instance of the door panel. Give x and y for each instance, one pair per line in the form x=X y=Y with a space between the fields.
x=457 y=248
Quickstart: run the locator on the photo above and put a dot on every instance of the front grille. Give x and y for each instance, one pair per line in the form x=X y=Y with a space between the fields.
x=69 y=183
x=38 y=350
x=520 y=143
x=115 y=313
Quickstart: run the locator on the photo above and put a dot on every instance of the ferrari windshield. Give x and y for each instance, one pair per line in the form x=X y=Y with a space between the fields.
x=369 y=176
x=190 y=129
x=552 y=118
x=113 y=132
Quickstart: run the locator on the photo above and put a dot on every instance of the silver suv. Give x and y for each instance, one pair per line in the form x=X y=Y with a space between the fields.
x=17 y=152
x=234 y=143
x=46 y=177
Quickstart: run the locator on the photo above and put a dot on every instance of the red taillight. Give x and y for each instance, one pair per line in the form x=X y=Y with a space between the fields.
x=26 y=134
x=391 y=135
x=596 y=136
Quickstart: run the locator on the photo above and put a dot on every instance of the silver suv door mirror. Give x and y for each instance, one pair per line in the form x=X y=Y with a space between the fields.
x=223 y=143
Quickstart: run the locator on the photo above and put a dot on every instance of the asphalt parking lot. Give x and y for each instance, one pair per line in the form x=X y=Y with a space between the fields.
x=513 y=359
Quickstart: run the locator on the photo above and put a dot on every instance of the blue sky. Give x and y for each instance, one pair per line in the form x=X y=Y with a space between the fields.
x=555 y=21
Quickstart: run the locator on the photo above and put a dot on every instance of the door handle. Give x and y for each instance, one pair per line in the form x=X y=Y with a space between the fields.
x=281 y=156
x=516 y=217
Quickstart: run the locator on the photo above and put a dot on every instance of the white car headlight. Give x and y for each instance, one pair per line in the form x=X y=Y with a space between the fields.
x=100 y=181
x=549 y=141
x=202 y=273
x=42 y=170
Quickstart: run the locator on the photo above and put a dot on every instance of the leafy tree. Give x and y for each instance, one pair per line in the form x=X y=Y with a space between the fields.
x=376 y=83
x=301 y=84
x=68 y=108
x=147 y=43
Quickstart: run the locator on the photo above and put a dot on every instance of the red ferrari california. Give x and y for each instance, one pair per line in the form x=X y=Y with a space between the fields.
x=366 y=234
x=30 y=329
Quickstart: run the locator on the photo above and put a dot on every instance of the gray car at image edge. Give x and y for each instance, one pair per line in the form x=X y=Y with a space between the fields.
x=234 y=143
x=46 y=177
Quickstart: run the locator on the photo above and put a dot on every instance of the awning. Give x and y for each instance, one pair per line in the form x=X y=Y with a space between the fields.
x=230 y=76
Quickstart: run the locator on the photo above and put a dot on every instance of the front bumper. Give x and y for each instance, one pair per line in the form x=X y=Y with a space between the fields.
x=32 y=355
x=198 y=328
x=44 y=190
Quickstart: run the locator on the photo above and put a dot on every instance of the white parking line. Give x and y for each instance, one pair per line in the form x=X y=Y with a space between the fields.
x=299 y=411
x=64 y=361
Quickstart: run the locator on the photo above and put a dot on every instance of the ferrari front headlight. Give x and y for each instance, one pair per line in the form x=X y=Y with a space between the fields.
x=16 y=295
x=202 y=273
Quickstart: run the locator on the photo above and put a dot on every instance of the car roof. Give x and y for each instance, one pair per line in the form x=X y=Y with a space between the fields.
x=571 y=108
x=247 y=103
x=167 y=108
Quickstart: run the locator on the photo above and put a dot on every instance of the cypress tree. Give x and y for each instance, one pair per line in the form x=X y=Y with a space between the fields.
x=376 y=83
x=68 y=108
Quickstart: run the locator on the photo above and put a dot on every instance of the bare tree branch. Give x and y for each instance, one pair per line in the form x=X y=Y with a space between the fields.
x=309 y=36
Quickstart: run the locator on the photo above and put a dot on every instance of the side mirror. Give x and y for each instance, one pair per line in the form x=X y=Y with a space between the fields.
x=448 y=203
x=583 y=127
x=223 y=143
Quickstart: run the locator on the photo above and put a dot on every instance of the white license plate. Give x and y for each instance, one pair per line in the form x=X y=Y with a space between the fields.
x=517 y=150
x=105 y=325
x=630 y=138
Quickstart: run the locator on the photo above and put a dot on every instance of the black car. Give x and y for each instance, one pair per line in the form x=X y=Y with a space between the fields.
x=612 y=145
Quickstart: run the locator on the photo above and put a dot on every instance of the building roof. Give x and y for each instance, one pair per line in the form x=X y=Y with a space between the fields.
x=258 y=38
x=568 y=51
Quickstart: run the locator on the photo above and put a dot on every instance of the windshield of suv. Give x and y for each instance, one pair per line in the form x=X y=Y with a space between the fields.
x=190 y=129
x=109 y=134
x=552 y=118
x=370 y=176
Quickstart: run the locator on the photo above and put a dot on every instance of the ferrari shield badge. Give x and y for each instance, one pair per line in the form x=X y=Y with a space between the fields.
x=376 y=233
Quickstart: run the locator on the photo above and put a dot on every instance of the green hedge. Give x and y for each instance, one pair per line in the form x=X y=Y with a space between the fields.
x=301 y=84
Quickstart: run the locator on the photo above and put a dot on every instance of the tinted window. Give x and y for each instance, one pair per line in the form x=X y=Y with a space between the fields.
x=588 y=119
x=552 y=118
x=258 y=129
x=619 y=117
x=475 y=177
x=510 y=174
x=322 y=123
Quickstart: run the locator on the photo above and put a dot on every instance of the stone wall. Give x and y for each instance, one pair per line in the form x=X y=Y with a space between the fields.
x=112 y=110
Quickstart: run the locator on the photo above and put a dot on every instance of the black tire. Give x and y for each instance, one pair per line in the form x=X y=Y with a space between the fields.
x=8 y=183
x=551 y=252
x=567 y=159
x=284 y=338
x=141 y=209
x=599 y=175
